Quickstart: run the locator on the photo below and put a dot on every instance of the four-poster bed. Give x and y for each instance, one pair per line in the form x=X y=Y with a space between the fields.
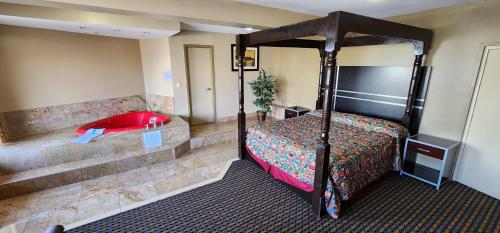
x=337 y=28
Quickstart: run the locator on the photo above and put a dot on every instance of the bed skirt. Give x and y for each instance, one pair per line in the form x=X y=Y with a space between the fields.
x=280 y=174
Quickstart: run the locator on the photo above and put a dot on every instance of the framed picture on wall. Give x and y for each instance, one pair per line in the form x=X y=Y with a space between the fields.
x=251 y=59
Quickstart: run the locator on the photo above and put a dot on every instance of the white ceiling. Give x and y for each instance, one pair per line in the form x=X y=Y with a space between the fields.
x=216 y=28
x=373 y=8
x=86 y=28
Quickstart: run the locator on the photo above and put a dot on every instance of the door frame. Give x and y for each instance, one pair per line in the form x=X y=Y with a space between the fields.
x=188 y=78
x=485 y=49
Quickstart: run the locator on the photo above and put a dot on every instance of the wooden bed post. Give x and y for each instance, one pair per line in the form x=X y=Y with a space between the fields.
x=321 y=81
x=412 y=92
x=321 y=171
x=240 y=54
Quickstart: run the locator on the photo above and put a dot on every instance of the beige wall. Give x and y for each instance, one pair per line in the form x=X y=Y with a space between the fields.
x=155 y=56
x=42 y=68
x=226 y=81
x=296 y=71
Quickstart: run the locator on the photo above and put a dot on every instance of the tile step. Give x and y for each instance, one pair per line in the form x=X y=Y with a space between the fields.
x=29 y=181
x=214 y=138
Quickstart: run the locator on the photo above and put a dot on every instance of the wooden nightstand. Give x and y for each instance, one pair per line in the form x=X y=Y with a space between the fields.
x=295 y=111
x=441 y=149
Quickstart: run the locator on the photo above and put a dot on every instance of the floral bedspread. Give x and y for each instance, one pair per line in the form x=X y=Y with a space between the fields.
x=362 y=150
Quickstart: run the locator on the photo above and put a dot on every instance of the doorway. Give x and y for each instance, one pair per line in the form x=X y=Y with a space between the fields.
x=200 y=75
x=479 y=165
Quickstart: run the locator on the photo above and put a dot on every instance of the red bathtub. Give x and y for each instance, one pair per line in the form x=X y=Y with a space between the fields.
x=124 y=122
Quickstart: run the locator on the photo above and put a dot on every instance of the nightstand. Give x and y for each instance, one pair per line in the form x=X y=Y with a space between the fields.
x=443 y=150
x=295 y=111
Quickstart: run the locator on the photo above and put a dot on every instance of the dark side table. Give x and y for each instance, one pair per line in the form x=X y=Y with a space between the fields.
x=295 y=111
x=442 y=149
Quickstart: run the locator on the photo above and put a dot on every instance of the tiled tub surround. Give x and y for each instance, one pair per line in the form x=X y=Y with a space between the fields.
x=49 y=160
x=160 y=103
x=22 y=123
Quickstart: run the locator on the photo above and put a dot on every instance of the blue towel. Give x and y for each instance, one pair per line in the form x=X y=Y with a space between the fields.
x=89 y=135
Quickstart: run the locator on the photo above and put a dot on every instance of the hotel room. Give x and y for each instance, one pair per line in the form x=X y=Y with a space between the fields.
x=239 y=115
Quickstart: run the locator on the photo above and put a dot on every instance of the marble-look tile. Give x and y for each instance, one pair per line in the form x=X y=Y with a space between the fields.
x=105 y=184
x=16 y=226
x=211 y=171
x=165 y=170
x=164 y=155
x=176 y=134
x=138 y=193
x=84 y=112
x=27 y=122
x=182 y=149
x=3 y=129
x=99 y=147
x=55 y=155
x=18 y=188
x=98 y=170
x=190 y=162
x=107 y=108
x=57 y=117
x=161 y=104
x=63 y=178
x=179 y=181
x=127 y=144
x=59 y=196
x=116 y=106
x=133 y=162
x=24 y=122
x=278 y=111
x=134 y=177
x=62 y=215
x=132 y=103
x=97 y=204
x=21 y=160
x=17 y=207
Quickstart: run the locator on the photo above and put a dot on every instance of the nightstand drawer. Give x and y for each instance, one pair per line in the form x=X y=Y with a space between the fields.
x=295 y=111
x=289 y=114
x=426 y=150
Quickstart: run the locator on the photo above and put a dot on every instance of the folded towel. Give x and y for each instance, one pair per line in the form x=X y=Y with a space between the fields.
x=89 y=135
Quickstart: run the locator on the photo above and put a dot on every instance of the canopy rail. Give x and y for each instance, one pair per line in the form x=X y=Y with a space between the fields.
x=294 y=31
x=294 y=43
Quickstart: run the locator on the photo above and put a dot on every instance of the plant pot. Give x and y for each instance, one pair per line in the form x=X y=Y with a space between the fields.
x=261 y=116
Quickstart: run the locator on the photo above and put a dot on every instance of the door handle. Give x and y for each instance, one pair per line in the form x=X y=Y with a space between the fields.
x=208 y=89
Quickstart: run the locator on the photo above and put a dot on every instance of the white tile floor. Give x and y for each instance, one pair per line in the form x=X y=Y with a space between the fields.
x=76 y=202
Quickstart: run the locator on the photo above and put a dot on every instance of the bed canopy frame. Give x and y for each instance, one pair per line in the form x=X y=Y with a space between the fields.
x=338 y=29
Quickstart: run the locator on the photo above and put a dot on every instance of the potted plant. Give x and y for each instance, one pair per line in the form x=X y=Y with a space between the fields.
x=264 y=89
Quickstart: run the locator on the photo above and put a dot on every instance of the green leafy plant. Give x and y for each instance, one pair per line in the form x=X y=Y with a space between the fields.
x=264 y=88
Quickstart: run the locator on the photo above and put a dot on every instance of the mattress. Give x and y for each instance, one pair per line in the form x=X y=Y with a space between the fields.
x=362 y=150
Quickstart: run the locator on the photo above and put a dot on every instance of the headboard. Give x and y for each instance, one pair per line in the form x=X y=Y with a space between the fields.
x=379 y=92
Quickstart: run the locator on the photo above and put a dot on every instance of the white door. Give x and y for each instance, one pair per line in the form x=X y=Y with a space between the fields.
x=479 y=166
x=201 y=90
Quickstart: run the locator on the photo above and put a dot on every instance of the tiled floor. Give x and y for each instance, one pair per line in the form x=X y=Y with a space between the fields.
x=72 y=203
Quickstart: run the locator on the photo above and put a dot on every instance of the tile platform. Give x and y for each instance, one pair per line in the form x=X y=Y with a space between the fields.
x=88 y=200
x=51 y=160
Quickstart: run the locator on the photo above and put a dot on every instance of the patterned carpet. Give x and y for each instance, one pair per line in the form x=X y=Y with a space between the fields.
x=248 y=200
